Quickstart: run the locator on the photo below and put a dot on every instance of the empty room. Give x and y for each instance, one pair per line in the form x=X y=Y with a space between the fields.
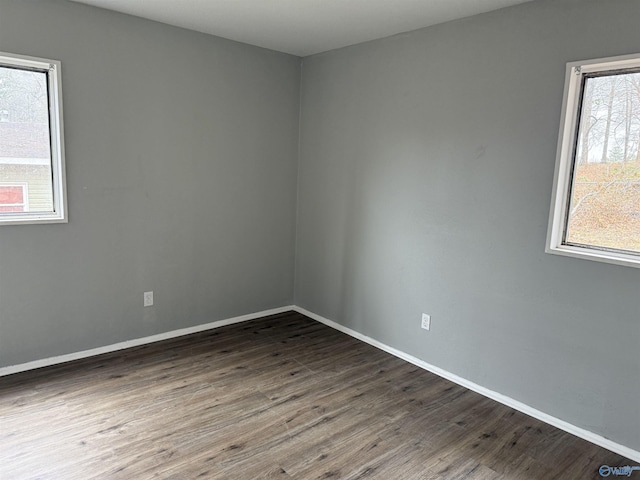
x=343 y=239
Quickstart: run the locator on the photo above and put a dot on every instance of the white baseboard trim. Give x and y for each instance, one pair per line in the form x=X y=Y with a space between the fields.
x=498 y=397
x=139 y=341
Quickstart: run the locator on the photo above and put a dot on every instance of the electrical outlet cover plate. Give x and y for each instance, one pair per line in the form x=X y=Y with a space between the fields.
x=426 y=321
x=148 y=299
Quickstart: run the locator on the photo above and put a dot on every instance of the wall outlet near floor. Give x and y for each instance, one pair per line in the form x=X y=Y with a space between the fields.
x=426 y=321
x=148 y=299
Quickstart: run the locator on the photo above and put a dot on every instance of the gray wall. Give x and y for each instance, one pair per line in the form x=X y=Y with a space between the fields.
x=182 y=164
x=425 y=181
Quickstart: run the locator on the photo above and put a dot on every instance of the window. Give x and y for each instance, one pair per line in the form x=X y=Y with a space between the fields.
x=32 y=182
x=595 y=210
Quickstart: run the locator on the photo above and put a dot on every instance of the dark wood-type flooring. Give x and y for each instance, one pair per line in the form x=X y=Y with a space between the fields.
x=283 y=397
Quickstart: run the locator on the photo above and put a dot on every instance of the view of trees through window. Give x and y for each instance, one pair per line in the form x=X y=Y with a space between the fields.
x=25 y=151
x=605 y=202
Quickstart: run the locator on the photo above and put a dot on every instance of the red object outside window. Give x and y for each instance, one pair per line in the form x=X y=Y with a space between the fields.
x=11 y=198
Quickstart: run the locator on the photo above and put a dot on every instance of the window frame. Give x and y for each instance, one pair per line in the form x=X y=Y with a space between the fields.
x=565 y=159
x=53 y=70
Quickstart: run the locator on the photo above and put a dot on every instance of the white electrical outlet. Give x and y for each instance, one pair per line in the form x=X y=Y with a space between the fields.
x=426 y=321
x=148 y=299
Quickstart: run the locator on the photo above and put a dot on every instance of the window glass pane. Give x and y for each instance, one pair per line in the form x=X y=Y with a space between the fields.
x=604 y=209
x=25 y=148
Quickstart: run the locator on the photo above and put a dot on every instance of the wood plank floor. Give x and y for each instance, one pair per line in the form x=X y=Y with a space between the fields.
x=283 y=398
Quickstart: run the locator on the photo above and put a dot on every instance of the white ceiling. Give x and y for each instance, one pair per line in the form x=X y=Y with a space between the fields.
x=302 y=27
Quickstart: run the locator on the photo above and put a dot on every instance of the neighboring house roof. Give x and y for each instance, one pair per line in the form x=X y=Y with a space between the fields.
x=24 y=140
